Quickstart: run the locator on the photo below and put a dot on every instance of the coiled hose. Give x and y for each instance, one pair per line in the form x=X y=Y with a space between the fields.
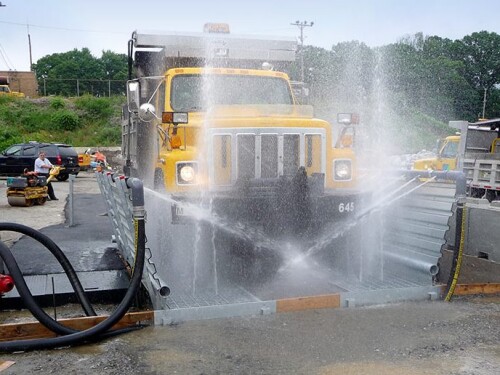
x=26 y=295
x=98 y=331
x=61 y=258
x=91 y=333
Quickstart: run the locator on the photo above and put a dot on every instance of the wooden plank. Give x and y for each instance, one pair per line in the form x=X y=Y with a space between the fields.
x=308 y=303
x=470 y=289
x=4 y=365
x=34 y=330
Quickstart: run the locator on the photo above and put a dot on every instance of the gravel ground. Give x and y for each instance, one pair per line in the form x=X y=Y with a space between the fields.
x=459 y=338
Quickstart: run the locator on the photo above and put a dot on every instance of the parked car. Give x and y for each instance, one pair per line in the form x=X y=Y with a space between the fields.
x=20 y=156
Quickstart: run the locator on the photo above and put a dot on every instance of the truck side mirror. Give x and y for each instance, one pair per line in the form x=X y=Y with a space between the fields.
x=133 y=96
x=147 y=112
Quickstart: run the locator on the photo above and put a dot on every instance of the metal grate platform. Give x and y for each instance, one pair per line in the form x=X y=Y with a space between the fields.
x=225 y=296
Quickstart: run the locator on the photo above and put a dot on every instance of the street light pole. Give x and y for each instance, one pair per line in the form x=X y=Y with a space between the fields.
x=301 y=26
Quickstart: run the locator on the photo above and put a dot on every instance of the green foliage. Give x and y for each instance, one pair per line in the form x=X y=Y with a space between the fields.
x=61 y=120
x=76 y=72
x=94 y=107
x=419 y=83
x=8 y=136
x=57 y=103
x=65 y=120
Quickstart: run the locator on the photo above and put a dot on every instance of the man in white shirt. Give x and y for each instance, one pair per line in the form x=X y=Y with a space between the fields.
x=42 y=168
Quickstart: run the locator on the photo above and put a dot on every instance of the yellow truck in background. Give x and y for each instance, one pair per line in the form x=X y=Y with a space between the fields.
x=5 y=88
x=446 y=158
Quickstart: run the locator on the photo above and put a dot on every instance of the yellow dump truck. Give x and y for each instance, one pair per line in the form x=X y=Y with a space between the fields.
x=446 y=158
x=214 y=115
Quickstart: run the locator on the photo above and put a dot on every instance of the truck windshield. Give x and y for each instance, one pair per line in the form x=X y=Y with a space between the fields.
x=197 y=92
x=450 y=150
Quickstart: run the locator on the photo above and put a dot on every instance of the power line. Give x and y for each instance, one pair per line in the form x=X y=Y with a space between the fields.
x=5 y=58
x=5 y=61
x=65 y=28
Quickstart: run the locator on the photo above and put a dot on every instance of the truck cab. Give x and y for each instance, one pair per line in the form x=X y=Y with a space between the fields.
x=213 y=113
x=446 y=158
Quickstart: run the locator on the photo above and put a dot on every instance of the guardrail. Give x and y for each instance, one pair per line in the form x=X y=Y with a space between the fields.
x=118 y=197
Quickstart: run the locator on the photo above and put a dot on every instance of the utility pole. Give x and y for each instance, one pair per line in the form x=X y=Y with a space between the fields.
x=301 y=26
x=29 y=44
x=484 y=102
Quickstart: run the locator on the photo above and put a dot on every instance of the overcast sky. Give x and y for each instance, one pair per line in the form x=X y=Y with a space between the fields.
x=62 y=25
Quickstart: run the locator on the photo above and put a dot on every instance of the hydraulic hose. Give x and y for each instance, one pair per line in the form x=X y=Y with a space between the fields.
x=61 y=258
x=26 y=295
x=135 y=282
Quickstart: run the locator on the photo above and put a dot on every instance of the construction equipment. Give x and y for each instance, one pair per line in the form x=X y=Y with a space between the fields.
x=29 y=189
x=213 y=122
x=446 y=158
x=5 y=88
x=84 y=160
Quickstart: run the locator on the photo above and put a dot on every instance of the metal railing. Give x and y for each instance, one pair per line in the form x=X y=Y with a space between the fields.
x=117 y=196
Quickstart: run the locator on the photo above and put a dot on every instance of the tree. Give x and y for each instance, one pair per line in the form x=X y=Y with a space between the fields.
x=480 y=53
x=79 y=72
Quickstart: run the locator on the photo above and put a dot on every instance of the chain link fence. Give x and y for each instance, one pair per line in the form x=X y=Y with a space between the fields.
x=79 y=87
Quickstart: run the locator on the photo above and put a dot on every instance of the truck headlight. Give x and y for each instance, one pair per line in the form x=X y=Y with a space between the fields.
x=186 y=173
x=342 y=170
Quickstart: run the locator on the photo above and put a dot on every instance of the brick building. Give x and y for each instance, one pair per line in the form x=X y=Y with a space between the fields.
x=24 y=82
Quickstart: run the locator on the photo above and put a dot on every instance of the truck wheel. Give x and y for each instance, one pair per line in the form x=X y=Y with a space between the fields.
x=159 y=181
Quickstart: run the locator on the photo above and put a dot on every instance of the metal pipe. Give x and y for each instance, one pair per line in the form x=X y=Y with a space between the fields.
x=457 y=176
x=72 y=178
x=137 y=188
x=418 y=264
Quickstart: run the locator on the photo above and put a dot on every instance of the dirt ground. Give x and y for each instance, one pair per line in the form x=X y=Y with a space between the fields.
x=414 y=338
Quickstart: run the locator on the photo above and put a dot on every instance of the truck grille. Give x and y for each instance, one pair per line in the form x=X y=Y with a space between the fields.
x=265 y=153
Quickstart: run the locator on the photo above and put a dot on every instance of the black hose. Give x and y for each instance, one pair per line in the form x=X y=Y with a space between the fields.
x=91 y=333
x=26 y=295
x=61 y=258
